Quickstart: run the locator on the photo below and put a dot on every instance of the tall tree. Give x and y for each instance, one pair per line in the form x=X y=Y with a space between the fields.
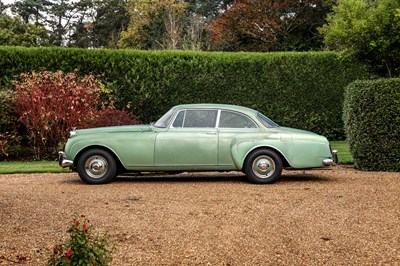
x=111 y=19
x=56 y=15
x=155 y=24
x=198 y=15
x=209 y=9
x=3 y=7
x=99 y=26
x=30 y=10
x=13 y=31
x=60 y=17
x=259 y=25
x=370 y=29
x=170 y=24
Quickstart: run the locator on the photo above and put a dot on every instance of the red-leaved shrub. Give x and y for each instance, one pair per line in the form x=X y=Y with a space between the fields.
x=111 y=117
x=50 y=104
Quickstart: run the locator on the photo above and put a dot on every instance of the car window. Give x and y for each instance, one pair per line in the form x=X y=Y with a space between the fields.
x=199 y=118
x=266 y=121
x=235 y=120
x=179 y=119
x=164 y=120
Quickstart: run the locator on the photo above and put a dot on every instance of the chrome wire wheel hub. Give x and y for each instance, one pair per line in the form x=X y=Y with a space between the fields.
x=96 y=166
x=263 y=166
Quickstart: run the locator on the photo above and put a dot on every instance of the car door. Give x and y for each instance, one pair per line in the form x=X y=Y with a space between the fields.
x=191 y=141
x=233 y=127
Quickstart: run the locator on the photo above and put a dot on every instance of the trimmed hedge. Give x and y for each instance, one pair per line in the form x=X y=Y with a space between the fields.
x=372 y=122
x=302 y=90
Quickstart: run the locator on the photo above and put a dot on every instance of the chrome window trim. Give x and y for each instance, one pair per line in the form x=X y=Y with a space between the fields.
x=193 y=109
x=219 y=111
x=231 y=111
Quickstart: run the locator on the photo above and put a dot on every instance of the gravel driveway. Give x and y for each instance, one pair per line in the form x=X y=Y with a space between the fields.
x=338 y=217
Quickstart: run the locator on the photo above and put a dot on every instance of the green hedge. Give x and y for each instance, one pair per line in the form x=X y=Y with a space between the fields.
x=372 y=122
x=302 y=90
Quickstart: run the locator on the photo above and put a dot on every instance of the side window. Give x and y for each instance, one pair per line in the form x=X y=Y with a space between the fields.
x=235 y=120
x=200 y=118
x=179 y=119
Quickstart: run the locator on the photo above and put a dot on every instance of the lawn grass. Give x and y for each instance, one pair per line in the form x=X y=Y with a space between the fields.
x=53 y=167
x=31 y=167
x=343 y=148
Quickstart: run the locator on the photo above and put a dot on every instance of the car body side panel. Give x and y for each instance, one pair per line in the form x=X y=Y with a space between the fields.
x=308 y=154
x=243 y=145
x=299 y=154
x=131 y=148
x=182 y=147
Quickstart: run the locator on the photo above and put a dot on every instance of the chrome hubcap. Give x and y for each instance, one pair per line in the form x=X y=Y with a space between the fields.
x=96 y=166
x=263 y=166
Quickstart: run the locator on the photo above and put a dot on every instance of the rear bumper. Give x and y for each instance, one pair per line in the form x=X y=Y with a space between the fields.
x=332 y=161
x=64 y=162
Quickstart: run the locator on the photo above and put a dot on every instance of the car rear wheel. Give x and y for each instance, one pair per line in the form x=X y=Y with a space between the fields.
x=263 y=166
x=97 y=166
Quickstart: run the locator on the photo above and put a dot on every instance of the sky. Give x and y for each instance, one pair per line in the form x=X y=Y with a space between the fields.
x=8 y=1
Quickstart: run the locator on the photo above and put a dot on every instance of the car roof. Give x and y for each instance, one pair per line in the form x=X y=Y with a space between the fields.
x=216 y=106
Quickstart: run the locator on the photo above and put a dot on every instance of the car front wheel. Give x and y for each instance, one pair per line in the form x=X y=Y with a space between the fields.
x=263 y=166
x=96 y=166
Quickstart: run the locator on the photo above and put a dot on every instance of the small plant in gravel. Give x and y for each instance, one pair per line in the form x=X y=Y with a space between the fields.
x=84 y=246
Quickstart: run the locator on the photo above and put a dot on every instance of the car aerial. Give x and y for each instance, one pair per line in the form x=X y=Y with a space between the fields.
x=196 y=137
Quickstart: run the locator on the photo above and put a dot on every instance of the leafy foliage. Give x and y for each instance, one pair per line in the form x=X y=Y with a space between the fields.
x=275 y=25
x=103 y=27
x=14 y=32
x=3 y=7
x=369 y=29
x=9 y=128
x=83 y=247
x=84 y=23
x=50 y=104
x=154 y=24
x=112 y=117
x=372 y=123
x=170 y=24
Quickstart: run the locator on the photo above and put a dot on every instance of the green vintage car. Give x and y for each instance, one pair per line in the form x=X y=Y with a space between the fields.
x=196 y=137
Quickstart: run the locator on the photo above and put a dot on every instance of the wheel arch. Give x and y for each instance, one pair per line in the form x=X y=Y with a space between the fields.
x=285 y=162
x=120 y=166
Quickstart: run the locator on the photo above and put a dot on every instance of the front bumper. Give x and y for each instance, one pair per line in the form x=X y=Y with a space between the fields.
x=64 y=162
x=332 y=161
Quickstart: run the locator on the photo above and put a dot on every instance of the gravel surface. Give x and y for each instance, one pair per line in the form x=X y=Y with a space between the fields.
x=338 y=217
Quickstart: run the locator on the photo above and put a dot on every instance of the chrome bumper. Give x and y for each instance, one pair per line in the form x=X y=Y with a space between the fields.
x=333 y=161
x=62 y=161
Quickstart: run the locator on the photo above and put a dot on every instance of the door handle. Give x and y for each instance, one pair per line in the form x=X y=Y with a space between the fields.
x=211 y=133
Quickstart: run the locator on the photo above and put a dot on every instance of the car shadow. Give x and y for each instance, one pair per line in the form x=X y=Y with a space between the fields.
x=237 y=177
x=302 y=177
x=217 y=177
x=193 y=177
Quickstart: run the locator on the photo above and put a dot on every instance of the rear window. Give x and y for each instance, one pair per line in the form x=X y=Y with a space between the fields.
x=266 y=121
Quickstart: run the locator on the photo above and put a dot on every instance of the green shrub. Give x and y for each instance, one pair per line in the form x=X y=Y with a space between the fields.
x=372 y=122
x=303 y=90
x=10 y=139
